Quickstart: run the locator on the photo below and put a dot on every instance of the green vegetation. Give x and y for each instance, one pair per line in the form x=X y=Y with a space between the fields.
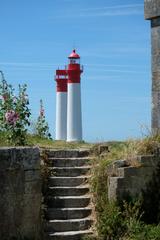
x=42 y=128
x=117 y=150
x=47 y=143
x=130 y=220
x=15 y=116
x=35 y=140
x=116 y=224
x=14 y=112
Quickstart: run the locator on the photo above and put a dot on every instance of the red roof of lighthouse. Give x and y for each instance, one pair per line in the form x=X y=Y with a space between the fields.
x=74 y=54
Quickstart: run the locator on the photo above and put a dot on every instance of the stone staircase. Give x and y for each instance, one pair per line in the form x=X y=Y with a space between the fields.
x=69 y=212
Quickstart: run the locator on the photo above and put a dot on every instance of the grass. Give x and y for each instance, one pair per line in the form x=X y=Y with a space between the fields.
x=114 y=222
x=33 y=140
x=46 y=143
x=125 y=225
x=118 y=149
x=125 y=222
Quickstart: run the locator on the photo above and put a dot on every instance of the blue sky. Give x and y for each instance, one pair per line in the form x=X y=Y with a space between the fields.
x=113 y=40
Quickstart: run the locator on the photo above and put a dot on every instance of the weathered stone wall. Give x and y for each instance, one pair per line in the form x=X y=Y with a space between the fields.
x=20 y=193
x=152 y=8
x=125 y=180
x=152 y=12
x=155 y=38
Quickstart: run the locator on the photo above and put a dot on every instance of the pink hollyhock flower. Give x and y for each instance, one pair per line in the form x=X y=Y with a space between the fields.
x=42 y=112
x=24 y=98
x=11 y=117
x=5 y=97
x=14 y=99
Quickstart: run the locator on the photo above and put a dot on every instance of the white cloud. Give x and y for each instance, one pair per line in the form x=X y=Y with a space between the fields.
x=113 y=11
x=115 y=7
x=118 y=10
x=97 y=67
x=122 y=71
x=101 y=65
x=27 y=65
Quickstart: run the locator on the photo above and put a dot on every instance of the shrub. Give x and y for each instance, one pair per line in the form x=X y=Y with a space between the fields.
x=127 y=220
x=42 y=128
x=14 y=113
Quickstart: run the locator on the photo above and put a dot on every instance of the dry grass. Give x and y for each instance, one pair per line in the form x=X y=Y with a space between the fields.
x=45 y=143
x=108 y=217
x=117 y=150
x=33 y=140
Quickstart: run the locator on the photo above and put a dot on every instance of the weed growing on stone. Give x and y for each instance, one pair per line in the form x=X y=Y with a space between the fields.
x=125 y=221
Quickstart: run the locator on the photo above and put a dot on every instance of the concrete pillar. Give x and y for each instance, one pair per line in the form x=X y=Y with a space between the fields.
x=152 y=12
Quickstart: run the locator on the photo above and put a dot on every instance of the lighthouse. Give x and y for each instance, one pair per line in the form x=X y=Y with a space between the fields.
x=61 y=104
x=68 y=100
x=74 y=114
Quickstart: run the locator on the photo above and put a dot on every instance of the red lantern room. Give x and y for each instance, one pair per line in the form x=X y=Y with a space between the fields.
x=74 y=68
x=74 y=58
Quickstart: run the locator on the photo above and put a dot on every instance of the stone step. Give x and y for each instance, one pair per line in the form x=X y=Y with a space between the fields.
x=69 y=191
x=68 y=201
x=67 y=153
x=72 y=235
x=68 y=181
x=69 y=162
x=68 y=213
x=69 y=171
x=69 y=225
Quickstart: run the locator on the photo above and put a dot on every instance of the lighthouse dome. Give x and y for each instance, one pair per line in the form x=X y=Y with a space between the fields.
x=74 y=55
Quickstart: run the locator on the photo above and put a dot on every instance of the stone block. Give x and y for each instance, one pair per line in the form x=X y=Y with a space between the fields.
x=156 y=87
x=32 y=175
x=155 y=22
x=120 y=163
x=29 y=157
x=103 y=149
x=155 y=68
x=115 y=183
x=8 y=159
x=67 y=153
x=146 y=172
x=128 y=171
x=132 y=180
x=20 y=193
x=155 y=32
x=152 y=9
x=155 y=111
x=148 y=161
x=123 y=193
x=31 y=218
x=19 y=157
x=32 y=187
x=12 y=182
x=112 y=169
x=155 y=40
x=10 y=215
x=137 y=182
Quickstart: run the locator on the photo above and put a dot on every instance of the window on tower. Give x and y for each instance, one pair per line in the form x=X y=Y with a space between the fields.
x=74 y=61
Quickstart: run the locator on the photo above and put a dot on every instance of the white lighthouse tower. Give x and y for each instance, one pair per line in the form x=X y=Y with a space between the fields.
x=74 y=115
x=61 y=105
